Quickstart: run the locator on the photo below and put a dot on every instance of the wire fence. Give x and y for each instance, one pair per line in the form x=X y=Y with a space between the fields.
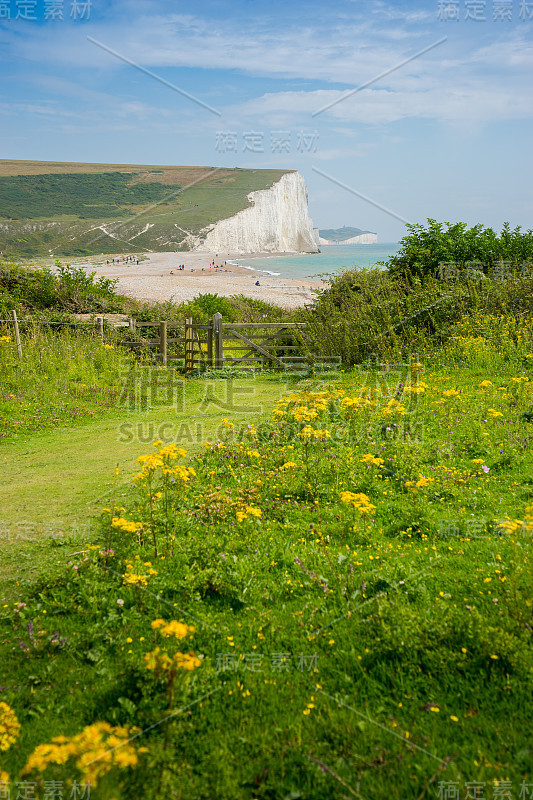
x=48 y=322
x=98 y=322
x=247 y=345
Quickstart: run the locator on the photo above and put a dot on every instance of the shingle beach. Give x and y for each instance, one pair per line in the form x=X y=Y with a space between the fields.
x=157 y=278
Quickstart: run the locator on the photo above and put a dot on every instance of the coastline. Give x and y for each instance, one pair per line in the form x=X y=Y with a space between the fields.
x=157 y=277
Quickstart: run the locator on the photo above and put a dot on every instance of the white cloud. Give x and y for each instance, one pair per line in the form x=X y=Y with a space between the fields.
x=348 y=52
x=459 y=80
x=472 y=100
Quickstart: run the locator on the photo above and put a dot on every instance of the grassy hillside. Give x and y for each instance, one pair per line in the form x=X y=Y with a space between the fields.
x=82 y=209
x=107 y=194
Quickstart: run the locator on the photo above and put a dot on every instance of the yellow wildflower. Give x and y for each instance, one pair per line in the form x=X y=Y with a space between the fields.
x=255 y=512
x=177 y=629
x=9 y=726
x=370 y=459
x=511 y=526
x=96 y=750
x=136 y=580
x=125 y=525
x=312 y=433
x=359 y=501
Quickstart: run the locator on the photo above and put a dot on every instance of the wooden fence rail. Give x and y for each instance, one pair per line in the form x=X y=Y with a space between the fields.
x=216 y=344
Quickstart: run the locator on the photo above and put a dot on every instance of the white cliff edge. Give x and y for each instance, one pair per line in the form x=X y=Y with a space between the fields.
x=277 y=221
x=363 y=238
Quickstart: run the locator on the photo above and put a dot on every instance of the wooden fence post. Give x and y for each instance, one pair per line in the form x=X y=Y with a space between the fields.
x=17 y=334
x=163 y=342
x=217 y=333
x=131 y=322
x=210 y=344
x=100 y=325
x=189 y=352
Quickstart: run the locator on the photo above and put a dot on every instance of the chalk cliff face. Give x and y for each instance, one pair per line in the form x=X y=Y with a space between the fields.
x=276 y=222
x=363 y=238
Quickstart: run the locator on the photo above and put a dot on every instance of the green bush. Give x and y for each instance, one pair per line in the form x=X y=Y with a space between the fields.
x=205 y=305
x=368 y=313
x=423 y=248
x=71 y=289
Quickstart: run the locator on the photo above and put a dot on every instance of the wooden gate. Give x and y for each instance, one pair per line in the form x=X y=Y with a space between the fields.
x=219 y=344
x=264 y=344
x=198 y=351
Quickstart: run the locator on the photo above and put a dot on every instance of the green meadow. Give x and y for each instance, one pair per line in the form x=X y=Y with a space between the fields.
x=273 y=585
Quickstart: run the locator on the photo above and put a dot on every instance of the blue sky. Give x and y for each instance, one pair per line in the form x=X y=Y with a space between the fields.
x=445 y=134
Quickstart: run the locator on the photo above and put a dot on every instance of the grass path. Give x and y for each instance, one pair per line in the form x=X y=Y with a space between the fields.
x=54 y=482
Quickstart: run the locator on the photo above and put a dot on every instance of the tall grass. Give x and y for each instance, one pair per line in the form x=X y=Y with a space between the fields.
x=64 y=375
x=370 y=313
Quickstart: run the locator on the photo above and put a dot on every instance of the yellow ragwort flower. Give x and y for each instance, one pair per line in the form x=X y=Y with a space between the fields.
x=9 y=726
x=96 y=750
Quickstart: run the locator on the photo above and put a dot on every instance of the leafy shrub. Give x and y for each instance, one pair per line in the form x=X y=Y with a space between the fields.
x=70 y=289
x=423 y=248
x=371 y=313
x=205 y=305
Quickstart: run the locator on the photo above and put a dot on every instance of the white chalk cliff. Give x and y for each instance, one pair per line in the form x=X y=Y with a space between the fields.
x=277 y=221
x=363 y=238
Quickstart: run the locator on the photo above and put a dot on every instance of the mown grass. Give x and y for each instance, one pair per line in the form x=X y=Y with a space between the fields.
x=370 y=644
x=56 y=478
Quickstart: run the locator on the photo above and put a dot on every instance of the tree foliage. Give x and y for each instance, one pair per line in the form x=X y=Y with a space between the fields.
x=424 y=248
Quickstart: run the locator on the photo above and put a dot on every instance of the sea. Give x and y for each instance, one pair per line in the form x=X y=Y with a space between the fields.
x=331 y=259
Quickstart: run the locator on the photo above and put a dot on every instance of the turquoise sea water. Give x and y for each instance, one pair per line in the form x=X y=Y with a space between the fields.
x=331 y=258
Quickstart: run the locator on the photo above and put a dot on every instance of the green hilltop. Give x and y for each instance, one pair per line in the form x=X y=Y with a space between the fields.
x=74 y=209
